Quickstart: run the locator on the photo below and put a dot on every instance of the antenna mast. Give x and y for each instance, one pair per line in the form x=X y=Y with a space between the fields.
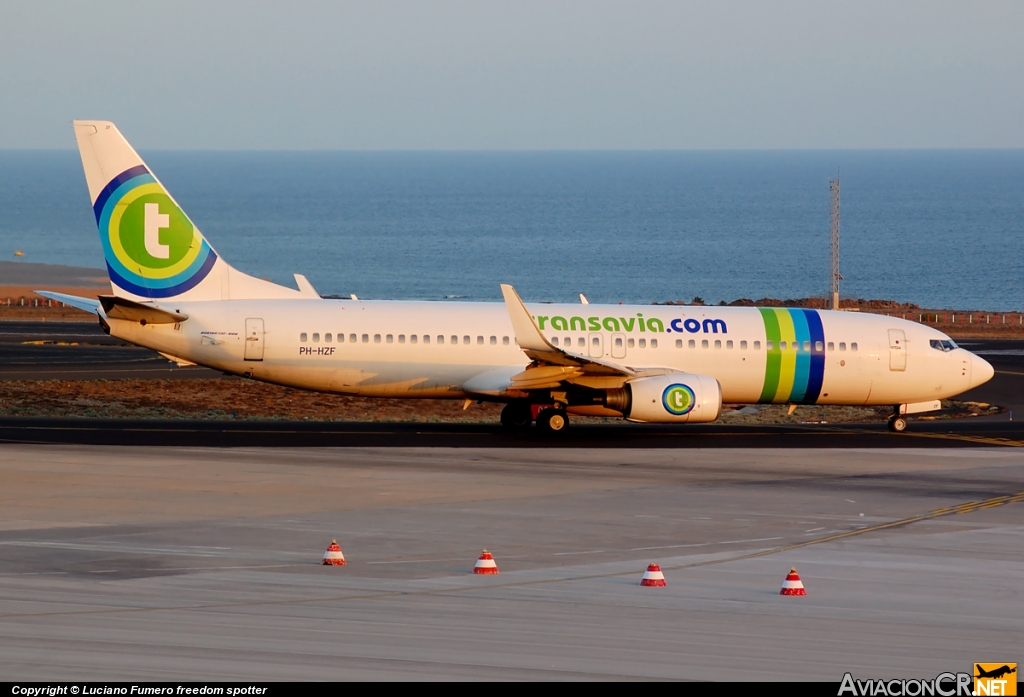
x=836 y=276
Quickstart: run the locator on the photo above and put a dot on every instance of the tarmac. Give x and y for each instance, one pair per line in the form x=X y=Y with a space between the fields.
x=195 y=563
x=178 y=550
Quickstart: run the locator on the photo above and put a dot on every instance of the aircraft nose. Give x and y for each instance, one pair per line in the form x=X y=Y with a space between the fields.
x=981 y=371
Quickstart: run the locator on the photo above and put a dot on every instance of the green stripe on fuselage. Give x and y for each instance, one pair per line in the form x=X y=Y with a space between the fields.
x=773 y=361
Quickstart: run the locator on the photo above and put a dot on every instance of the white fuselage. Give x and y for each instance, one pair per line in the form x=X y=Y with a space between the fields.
x=434 y=349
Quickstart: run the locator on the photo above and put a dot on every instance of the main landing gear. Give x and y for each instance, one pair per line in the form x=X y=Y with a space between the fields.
x=552 y=420
x=898 y=423
x=518 y=416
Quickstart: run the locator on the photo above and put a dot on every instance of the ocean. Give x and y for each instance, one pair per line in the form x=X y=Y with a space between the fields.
x=936 y=228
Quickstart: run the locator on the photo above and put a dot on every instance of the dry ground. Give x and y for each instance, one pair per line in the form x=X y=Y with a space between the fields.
x=246 y=399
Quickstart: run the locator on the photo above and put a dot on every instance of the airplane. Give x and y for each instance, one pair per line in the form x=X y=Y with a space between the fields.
x=995 y=673
x=174 y=294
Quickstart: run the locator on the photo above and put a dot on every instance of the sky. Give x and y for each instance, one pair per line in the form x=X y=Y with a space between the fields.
x=522 y=75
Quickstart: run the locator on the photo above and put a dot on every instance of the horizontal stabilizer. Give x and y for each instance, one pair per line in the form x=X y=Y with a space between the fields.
x=180 y=362
x=122 y=308
x=88 y=304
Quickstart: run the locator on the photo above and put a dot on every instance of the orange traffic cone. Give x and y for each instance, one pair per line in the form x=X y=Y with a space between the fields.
x=333 y=555
x=485 y=564
x=793 y=585
x=653 y=576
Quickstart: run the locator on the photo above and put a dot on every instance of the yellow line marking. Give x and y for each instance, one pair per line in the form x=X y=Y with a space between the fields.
x=1005 y=442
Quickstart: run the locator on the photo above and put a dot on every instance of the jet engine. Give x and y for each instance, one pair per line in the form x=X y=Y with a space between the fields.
x=676 y=398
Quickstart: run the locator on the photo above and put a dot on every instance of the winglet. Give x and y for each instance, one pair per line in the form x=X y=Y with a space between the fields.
x=305 y=287
x=527 y=334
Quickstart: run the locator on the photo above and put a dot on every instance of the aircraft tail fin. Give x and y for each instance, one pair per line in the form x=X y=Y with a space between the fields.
x=152 y=249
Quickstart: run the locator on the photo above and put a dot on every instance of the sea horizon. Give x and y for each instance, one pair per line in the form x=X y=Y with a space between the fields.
x=934 y=227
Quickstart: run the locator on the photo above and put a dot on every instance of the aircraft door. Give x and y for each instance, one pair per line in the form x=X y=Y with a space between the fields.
x=596 y=344
x=254 y=339
x=897 y=349
x=618 y=345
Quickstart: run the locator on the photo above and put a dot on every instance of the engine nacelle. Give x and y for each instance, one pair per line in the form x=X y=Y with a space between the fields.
x=675 y=399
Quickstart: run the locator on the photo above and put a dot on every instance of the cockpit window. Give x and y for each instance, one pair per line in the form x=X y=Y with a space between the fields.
x=945 y=345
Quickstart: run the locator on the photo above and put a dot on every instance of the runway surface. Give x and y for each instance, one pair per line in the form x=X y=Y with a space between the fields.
x=180 y=563
x=311 y=434
x=35 y=350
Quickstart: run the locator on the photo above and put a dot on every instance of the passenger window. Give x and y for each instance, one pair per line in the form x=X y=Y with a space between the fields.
x=831 y=346
x=630 y=343
x=426 y=338
x=567 y=341
x=643 y=343
x=818 y=346
x=582 y=343
x=596 y=341
x=704 y=343
x=401 y=338
x=728 y=344
x=465 y=340
x=807 y=346
x=618 y=342
x=376 y=338
x=413 y=339
x=554 y=341
x=366 y=338
x=390 y=339
x=504 y=341
x=352 y=338
x=853 y=346
x=440 y=338
x=842 y=345
x=494 y=341
x=743 y=346
x=718 y=343
x=316 y=337
x=691 y=344
x=455 y=340
x=654 y=343
x=782 y=345
x=479 y=341
x=770 y=345
x=327 y=338
x=302 y=337
x=679 y=343
x=757 y=345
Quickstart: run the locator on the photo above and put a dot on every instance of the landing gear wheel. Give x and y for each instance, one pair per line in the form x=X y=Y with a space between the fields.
x=552 y=421
x=898 y=424
x=516 y=416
